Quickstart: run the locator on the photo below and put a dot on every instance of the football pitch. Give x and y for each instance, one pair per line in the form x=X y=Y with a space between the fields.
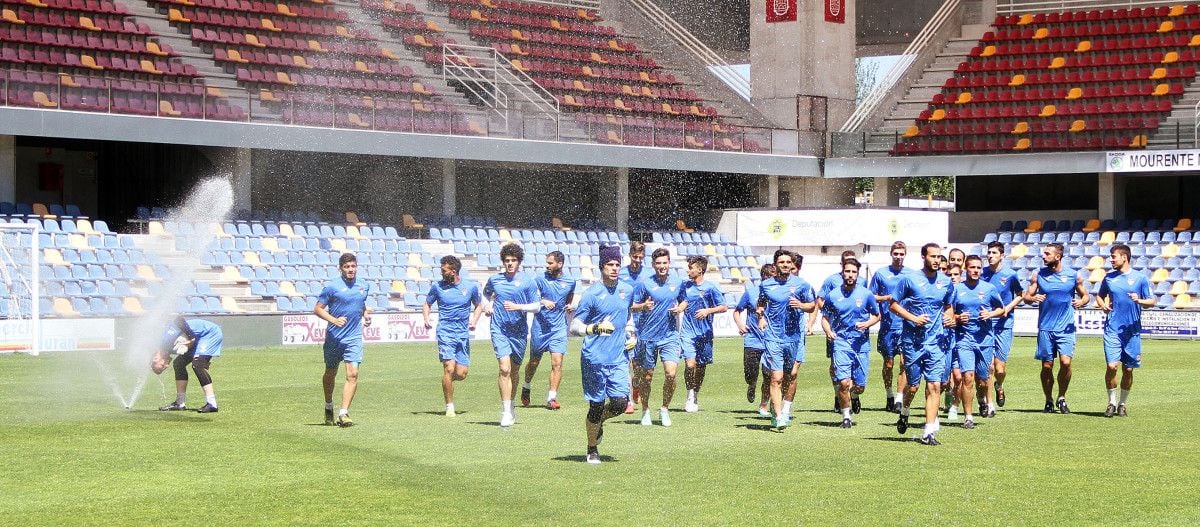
x=73 y=456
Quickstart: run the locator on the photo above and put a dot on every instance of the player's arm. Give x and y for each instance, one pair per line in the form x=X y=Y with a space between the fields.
x=1031 y=295
x=804 y=301
x=430 y=298
x=646 y=303
x=829 y=334
x=879 y=290
x=323 y=313
x=1085 y=298
x=817 y=314
x=998 y=307
x=718 y=302
x=873 y=311
x=1143 y=297
x=739 y=313
x=896 y=307
x=477 y=299
x=1104 y=297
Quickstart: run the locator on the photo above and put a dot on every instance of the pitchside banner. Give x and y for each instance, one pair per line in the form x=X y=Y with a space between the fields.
x=1154 y=161
x=835 y=11
x=1155 y=323
x=87 y=334
x=840 y=227
x=781 y=11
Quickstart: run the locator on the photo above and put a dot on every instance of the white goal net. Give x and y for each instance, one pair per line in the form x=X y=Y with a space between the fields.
x=20 y=320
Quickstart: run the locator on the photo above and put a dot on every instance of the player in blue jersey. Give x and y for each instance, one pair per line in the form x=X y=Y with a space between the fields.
x=924 y=300
x=783 y=303
x=549 y=332
x=702 y=300
x=884 y=285
x=850 y=310
x=830 y=283
x=1005 y=280
x=1122 y=295
x=511 y=295
x=976 y=304
x=455 y=300
x=1054 y=288
x=603 y=310
x=745 y=316
x=952 y=375
x=657 y=303
x=343 y=304
x=195 y=342
x=631 y=275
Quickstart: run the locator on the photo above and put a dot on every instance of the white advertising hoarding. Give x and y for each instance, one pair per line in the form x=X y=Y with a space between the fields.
x=76 y=334
x=841 y=227
x=1153 y=161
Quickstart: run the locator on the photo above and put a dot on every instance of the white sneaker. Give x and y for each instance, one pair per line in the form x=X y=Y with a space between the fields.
x=646 y=419
x=952 y=415
x=507 y=419
x=450 y=410
x=691 y=407
x=664 y=415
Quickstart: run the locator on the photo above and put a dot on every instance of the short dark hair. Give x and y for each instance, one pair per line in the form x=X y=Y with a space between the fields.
x=558 y=256
x=780 y=252
x=851 y=261
x=453 y=262
x=698 y=261
x=996 y=245
x=1057 y=246
x=898 y=245
x=346 y=258
x=637 y=246
x=767 y=271
x=661 y=251
x=975 y=258
x=956 y=249
x=848 y=254
x=512 y=249
x=797 y=259
x=925 y=248
x=1121 y=248
x=953 y=266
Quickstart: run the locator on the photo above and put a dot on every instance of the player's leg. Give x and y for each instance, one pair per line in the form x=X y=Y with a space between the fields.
x=688 y=354
x=860 y=364
x=1065 y=346
x=531 y=366
x=179 y=365
x=333 y=360
x=614 y=386
x=1004 y=338
x=200 y=367
x=556 y=365
x=1112 y=358
x=670 y=367
x=504 y=382
x=773 y=363
x=704 y=357
x=348 y=391
x=765 y=392
x=645 y=358
x=750 y=359
x=841 y=363
x=449 y=366
x=1131 y=359
x=912 y=376
x=984 y=357
x=1045 y=354
x=885 y=345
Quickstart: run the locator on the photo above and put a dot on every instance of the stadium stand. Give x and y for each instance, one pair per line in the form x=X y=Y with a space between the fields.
x=1074 y=80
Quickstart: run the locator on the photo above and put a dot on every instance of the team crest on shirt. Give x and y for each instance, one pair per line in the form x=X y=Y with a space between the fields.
x=1003 y=281
x=858 y=303
x=621 y=295
x=981 y=295
x=1130 y=280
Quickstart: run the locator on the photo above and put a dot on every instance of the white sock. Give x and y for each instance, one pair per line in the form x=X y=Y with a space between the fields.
x=664 y=409
x=1124 y=396
x=903 y=410
x=211 y=399
x=845 y=413
x=449 y=406
x=891 y=393
x=991 y=407
x=787 y=408
x=1112 y=396
x=506 y=406
x=343 y=411
x=329 y=406
x=525 y=386
x=551 y=395
x=691 y=396
x=930 y=429
x=181 y=398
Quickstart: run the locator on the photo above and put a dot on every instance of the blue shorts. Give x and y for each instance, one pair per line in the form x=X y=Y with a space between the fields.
x=974 y=357
x=890 y=343
x=605 y=381
x=949 y=360
x=1124 y=345
x=509 y=346
x=339 y=352
x=209 y=345
x=778 y=356
x=699 y=348
x=649 y=353
x=924 y=359
x=1004 y=338
x=1051 y=344
x=851 y=359
x=553 y=342
x=797 y=352
x=455 y=349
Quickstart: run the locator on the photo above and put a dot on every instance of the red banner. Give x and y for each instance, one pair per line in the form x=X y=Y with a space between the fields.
x=781 y=11
x=835 y=11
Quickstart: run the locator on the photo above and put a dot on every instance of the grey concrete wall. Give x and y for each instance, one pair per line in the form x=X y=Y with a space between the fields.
x=79 y=176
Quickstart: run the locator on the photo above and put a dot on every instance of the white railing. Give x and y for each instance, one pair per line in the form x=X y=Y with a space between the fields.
x=593 y=5
x=1017 y=7
x=1196 y=125
x=490 y=76
x=884 y=87
x=711 y=60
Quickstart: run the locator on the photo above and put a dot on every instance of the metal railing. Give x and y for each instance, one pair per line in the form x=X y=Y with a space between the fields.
x=1018 y=7
x=883 y=88
x=593 y=5
x=490 y=76
x=699 y=50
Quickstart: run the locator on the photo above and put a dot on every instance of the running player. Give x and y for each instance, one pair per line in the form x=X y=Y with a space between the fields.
x=957 y=257
x=850 y=311
x=799 y=351
x=924 y=301
x=603 y=309
x=1005 y=280
x=885 y=283
x=952 y=376
x=1054 y=288
x=976 y=303
x=512 y=294
x=702 y=300
x=745 y=316
x=783 y=301
x=831 y=282
x=549 y=331
x=343 y=304
x=658 y=301
x=455 y=300
x=196 y=342
x=1123 y=294
x=631 y=275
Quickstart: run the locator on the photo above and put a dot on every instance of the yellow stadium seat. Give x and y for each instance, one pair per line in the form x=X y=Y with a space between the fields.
x=1170 y=250
x=1078 y=125
x=145 y=272
x=398 y=287
x=1095 y=263
x=1107 y=238
x=217 y=231
x=1048 y=111
x=1159 y=276
x=1042 y=32
x=963 y=98
x=1092 y=225
x=1161 y=89
x=938 y=115
x=285 y=229
x=988 y=51
x=710 y=250
x=585 y=261
x=1017 y=80
x=1021 y=127
x=1034 y=226
x=1096 y=275
x=1183 y=225
x=85 y=227
x=133 y=305
x=338 y=244
x=1183 y=301
x=270 y=244
x=588 y=274
x=79 y=242
x=1022 y=144
x=1058 y=62
x=231 y=305
x=1025 y=19
x=736 y=274
x=912 y=131
x=155 y=228
x=414 y=260
x=1083 y=46
x=1166 y=26
x=353 y=232
x=1179 y=288
x=506 y=236
x=1018 y=251
x=413 y=273
x=752 y=261
x=287 y=288
x=62 y=306
x=251 y=258
x=1158 y=73
x=231 y=274
x=53 y=257
x=1177 y=10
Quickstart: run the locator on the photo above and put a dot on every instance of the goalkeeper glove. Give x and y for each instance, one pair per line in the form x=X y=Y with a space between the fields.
x=604 y=327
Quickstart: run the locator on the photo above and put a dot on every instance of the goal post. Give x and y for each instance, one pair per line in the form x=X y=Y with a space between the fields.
x=20 y=288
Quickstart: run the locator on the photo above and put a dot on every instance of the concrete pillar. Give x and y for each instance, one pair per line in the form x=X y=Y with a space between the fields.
x=768 y=192
x=622 y=180
x=8 y=168
x=1110 y=199
x=242 y=178
x=449 y=187
x=887 y=191
x=820 y=193
x=987 y=11
x=808 y=57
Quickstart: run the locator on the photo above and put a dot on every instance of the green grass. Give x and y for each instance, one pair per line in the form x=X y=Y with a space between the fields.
x=74 y=457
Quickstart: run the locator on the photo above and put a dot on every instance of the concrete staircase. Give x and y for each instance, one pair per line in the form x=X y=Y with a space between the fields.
x=190 y=53
x=1178 y=129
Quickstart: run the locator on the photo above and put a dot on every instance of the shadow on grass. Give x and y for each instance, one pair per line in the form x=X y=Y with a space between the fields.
x=486 y=423
x=157 y=415
x=1093 y=414
x=826 y=424
x=441 y=413
x=583 y=459
x=894 y=439
x=754 y=412
x=760 y=428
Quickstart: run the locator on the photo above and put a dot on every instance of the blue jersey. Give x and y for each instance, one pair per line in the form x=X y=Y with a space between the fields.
x=627 y=276
x=345 y=299
x=703 y=296
x=1125 y=312
x=559 y=290
x=843 y=310
x=520 y=288
x=785 y=324
x=599 y=303
x=886 y=282
x=922 y=295
x=973 y=301
x=749 y=305
x=192 y=329
x=831 y=282
x=1007 y=285
x=658 y=324
x=1056 y=312
x=454 y=303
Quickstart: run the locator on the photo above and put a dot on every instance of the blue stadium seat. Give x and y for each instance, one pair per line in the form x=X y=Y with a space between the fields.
x=1137 y=225
x=1005 y=237
x=1184 y=237
x=1168 y=237
x=1153 y=237
x=1006 y=225
x=1123 y=237
x=1153 y=250
x=283 y=303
